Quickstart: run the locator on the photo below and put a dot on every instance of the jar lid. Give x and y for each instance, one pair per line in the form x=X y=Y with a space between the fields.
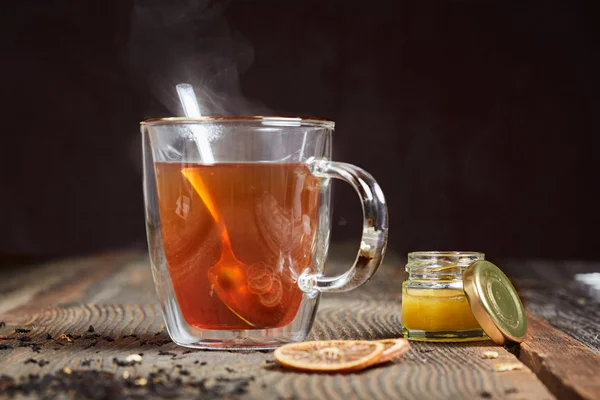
x=495 y=302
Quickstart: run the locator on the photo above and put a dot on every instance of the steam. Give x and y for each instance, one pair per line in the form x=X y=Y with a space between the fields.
x=190 y=41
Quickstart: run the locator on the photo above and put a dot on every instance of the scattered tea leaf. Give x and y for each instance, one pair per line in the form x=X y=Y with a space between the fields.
x=155 y=342
x=90 y=345
x=40 y=363
x=91 y=336
x=2 y=324
x=21 y=330
x=224 y=387
x=79 y=384
x=48 y=336
x=91 y=329
x=122 y=363
x=34 y=346
x=130 y=336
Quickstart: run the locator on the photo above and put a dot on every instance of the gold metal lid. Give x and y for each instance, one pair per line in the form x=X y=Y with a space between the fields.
x=495 y=302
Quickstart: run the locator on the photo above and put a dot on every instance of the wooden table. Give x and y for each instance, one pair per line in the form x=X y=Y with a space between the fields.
x=78 y=320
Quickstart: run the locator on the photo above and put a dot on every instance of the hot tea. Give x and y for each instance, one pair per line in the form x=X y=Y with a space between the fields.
x=236 y=237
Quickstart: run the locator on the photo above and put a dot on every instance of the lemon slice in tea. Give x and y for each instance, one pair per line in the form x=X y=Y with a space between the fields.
x=330 y=355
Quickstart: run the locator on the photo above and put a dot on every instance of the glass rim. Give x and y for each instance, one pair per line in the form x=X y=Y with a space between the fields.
x=415 y=254
x=285 y=121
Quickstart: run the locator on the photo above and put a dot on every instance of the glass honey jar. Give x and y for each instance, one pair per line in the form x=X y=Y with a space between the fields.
x=434 y=303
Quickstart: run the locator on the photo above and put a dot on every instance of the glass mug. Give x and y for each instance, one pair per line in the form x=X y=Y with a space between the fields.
x=238 y=219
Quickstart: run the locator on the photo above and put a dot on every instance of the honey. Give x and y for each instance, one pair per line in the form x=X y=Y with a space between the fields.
x=434 y=304
x=437 y=310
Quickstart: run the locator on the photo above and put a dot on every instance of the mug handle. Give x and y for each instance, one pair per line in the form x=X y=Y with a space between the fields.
x=374 y=235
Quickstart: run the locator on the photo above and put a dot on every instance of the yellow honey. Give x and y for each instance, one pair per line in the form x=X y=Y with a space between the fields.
x=436 y=310
x=434 y=304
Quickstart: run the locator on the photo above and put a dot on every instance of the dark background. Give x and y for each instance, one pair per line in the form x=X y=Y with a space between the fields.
x=478 y=118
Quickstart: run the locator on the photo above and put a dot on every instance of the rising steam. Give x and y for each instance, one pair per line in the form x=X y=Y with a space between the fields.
x=190 y=41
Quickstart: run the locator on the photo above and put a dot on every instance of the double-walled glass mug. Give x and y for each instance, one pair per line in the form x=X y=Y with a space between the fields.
x=238 y=219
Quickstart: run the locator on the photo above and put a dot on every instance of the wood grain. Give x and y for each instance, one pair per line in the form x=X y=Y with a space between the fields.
x=124 y=277
x=427 y=371
x=114 y=292
x=548 y=290
x=24 y=291
x=569 y=369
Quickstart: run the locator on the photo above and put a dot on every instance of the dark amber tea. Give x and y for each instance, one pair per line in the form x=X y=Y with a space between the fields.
x=236 y=237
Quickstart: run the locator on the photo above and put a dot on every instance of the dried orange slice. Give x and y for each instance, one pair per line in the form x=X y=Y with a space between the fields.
x=393 y=348
x=330 y=355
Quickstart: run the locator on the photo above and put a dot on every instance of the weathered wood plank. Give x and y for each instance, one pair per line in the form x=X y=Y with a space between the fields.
x=24 y=291
x=430 y=371
x=567 y=368
x=371 y=312
x=546 y=287
x=549 y=290
x=125 y=278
